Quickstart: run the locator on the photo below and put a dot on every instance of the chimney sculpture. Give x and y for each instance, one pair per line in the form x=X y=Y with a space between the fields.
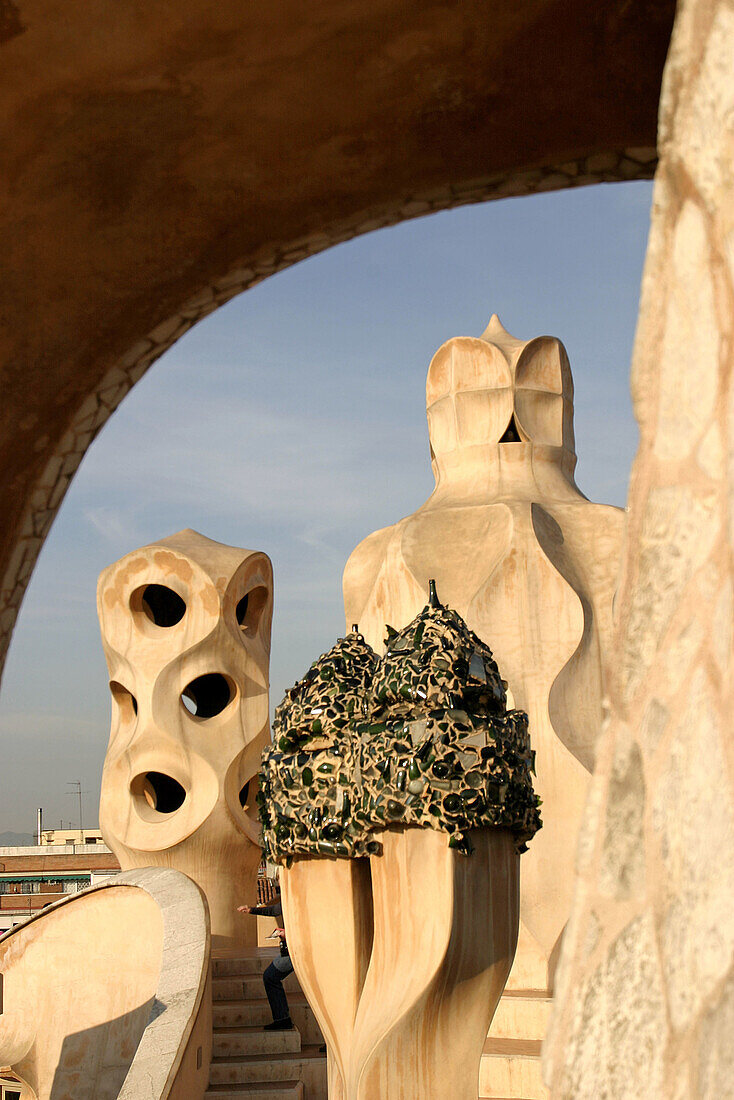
x=530 y=564
x=415 y=762
x=186 y=632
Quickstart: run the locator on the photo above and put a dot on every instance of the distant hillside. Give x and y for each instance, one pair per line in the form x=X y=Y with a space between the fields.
x=16 y=840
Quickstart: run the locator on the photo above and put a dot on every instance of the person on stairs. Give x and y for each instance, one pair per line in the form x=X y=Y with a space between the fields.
x=280 y=967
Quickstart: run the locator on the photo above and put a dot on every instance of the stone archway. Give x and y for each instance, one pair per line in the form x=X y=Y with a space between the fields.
x=158 y=162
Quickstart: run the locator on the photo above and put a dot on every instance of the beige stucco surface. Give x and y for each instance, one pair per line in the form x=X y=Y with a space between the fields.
x=647 y=975
x=104 y=992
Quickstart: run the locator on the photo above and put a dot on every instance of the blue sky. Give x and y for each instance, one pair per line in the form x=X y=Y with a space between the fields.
x=293 y=421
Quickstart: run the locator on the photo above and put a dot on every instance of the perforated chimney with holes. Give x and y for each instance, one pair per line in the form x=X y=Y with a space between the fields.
x=185 y=627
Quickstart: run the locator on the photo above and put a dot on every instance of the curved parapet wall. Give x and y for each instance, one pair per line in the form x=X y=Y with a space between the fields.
x=106 y=993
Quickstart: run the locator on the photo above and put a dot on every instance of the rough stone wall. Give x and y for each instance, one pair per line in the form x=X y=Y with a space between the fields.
x=50 y=489
x=646 y=988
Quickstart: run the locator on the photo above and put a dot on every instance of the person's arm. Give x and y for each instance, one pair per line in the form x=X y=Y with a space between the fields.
x=274 y=910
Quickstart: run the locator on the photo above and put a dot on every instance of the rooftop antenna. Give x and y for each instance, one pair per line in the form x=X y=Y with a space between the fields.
x=77 y=783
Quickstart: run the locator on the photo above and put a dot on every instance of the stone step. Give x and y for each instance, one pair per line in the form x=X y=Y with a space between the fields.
x=521 y=1014
x=286 y=1090
x=309 y=1066
x=254 y=1040
x=510 y=1068
x=234 y=962
x=247 y=987
x=254 y=1013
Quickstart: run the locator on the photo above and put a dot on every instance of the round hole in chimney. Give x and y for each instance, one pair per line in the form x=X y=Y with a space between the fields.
x=244 y=794
x=208 y=695
x=250 y=608
x=161 y=792
x=241 y=609
x=160 y=604
x=126 y=702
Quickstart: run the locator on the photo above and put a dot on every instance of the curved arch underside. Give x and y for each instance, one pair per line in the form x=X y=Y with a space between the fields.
x=158 y=159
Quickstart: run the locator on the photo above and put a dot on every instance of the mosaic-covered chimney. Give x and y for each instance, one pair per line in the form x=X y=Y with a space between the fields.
x=397 y=796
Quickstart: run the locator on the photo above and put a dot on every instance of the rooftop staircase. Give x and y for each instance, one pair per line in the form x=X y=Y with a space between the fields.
x=249 y=1063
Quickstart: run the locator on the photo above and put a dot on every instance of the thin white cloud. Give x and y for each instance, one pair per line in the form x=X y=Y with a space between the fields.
x=111 y=524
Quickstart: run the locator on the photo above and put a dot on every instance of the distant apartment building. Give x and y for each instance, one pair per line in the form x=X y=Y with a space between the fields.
x=34 y=877
x=71 y=836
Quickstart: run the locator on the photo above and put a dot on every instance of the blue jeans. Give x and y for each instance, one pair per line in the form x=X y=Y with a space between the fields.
x=279 y=968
